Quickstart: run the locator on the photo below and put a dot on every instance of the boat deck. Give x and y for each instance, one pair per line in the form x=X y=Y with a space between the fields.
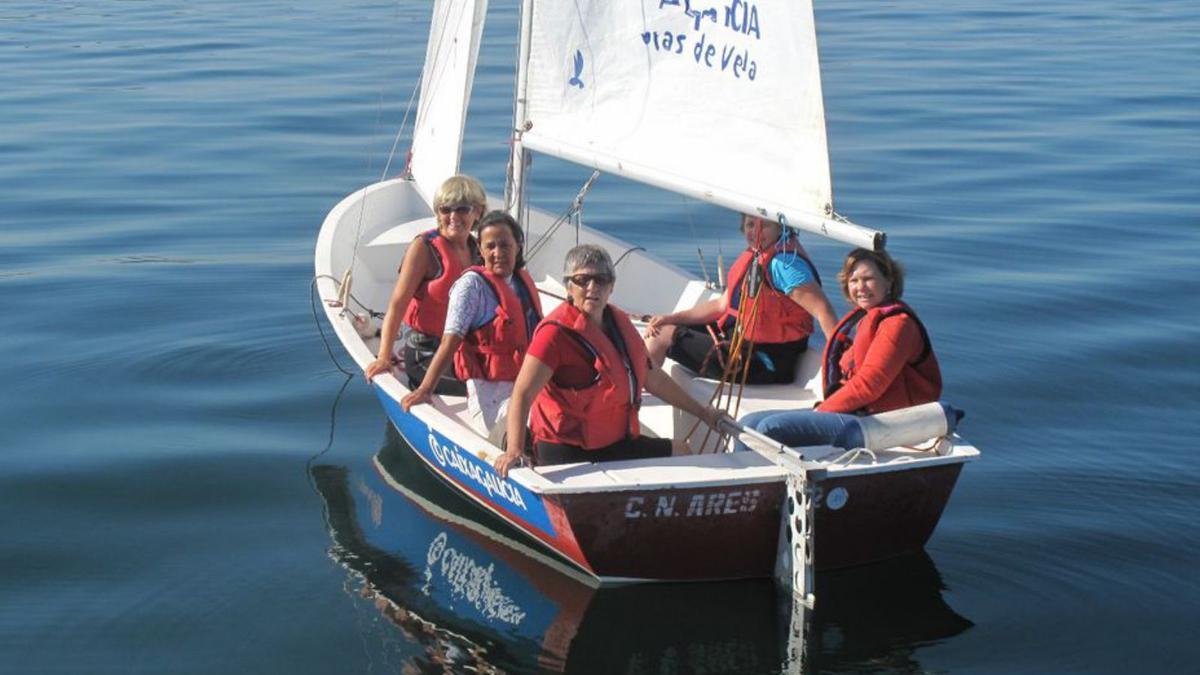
x=712 y=467
x=648 y=285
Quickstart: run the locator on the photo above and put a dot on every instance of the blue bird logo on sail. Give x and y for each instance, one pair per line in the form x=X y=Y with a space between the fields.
x=575 y=81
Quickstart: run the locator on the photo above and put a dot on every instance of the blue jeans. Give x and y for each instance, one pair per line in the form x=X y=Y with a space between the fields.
x=797 y=428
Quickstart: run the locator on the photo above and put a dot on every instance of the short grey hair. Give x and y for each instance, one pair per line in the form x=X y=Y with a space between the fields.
x=588 y=255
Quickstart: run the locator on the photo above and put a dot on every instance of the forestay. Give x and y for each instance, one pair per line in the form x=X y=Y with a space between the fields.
x=720 y=100
x=454 y=36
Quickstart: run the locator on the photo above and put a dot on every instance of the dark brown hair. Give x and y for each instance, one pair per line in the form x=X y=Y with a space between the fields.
x=498 y=217
x=891 y=270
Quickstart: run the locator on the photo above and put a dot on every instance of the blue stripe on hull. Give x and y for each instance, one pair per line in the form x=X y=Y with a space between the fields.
x=467 y=471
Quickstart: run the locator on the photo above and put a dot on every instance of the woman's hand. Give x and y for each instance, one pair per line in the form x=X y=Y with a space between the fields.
x=416 y=396
x=716 y=418
x=382 y=364
x=655 y=326
x=510 y=458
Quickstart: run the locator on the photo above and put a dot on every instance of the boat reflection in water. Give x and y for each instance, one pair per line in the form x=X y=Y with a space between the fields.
x=469 y=594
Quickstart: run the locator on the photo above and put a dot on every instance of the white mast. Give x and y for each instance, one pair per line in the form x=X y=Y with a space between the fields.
x=518 y=165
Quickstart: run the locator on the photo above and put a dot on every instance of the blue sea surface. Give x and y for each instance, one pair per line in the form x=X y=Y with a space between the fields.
x=184 y=470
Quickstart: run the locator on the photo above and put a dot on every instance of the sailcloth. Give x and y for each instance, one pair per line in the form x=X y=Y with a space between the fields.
x=720 y=100
x=454 y=36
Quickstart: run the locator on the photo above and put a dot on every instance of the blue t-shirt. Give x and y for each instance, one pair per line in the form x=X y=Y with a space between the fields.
x=789 y=270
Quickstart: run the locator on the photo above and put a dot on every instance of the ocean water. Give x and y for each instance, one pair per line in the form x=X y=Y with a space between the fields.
x=186 y=478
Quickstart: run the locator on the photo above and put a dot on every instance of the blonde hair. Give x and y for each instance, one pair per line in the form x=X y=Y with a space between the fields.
x=460 y=190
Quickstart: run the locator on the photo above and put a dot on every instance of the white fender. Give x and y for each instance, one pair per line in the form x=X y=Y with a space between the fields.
x=908 y=426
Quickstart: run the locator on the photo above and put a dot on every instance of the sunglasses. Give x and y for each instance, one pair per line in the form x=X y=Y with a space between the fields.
x=460 y=209
x=582 y=280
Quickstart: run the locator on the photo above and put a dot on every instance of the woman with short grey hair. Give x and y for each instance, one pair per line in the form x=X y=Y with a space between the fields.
x=581 y=382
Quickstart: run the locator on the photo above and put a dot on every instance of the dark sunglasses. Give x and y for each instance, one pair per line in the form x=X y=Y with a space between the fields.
x=460 y=209
x=582 y=280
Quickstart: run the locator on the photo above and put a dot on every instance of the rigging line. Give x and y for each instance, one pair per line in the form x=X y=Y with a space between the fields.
x=635 y=315
x=574 y=208
x=737 y=363
x=408 y=110
x=533 y=249
x=392 y=151
x=850 y=455
x=313 y=297
x=328 y=444
x=629 y=250
x=372 y=312
x=687 y=212
x=747 y=315
x=400 y=131
x=362 y=211
x=326 y=515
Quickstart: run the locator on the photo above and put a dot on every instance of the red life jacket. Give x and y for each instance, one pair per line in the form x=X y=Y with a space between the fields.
x=778 y=318
x=494 y=351
x=426 y=311
x=919 y=382
x=606 y=410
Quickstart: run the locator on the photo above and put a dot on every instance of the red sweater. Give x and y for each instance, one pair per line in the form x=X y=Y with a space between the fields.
x=878 y=369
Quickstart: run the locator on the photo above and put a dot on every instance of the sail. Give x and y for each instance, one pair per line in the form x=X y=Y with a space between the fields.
x=450 y=58
x=717 y=99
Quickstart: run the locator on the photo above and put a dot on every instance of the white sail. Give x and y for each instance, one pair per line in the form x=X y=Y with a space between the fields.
x=450 y=58
x=720 y=100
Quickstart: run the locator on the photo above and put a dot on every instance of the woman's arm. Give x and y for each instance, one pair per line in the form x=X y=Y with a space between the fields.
x=812 y=298
x=441 y=359
x=464 y=311
x=704 y=312
x=412 y=273
x=534 y=375
x=661 y=385
x=896 y=342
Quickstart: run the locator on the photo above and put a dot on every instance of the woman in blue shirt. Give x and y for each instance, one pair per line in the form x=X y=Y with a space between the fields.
x=785 y=291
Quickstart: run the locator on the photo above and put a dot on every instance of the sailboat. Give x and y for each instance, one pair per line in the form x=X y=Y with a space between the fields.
x=466 y=587
x=717 y=101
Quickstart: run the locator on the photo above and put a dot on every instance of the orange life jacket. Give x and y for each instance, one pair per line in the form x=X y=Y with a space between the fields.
x=605 y=410
x=426 y=311
x=919 y=382
x=778 y=318
x=494 y=350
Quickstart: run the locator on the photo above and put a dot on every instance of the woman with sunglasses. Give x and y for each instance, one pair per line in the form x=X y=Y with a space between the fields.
x=431 y=265
x=581 y=383
x=493 y=310
x=789 y=295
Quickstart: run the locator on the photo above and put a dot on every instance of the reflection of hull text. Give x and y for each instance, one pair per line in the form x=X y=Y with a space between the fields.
x=469 y=581
x=698 y=505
